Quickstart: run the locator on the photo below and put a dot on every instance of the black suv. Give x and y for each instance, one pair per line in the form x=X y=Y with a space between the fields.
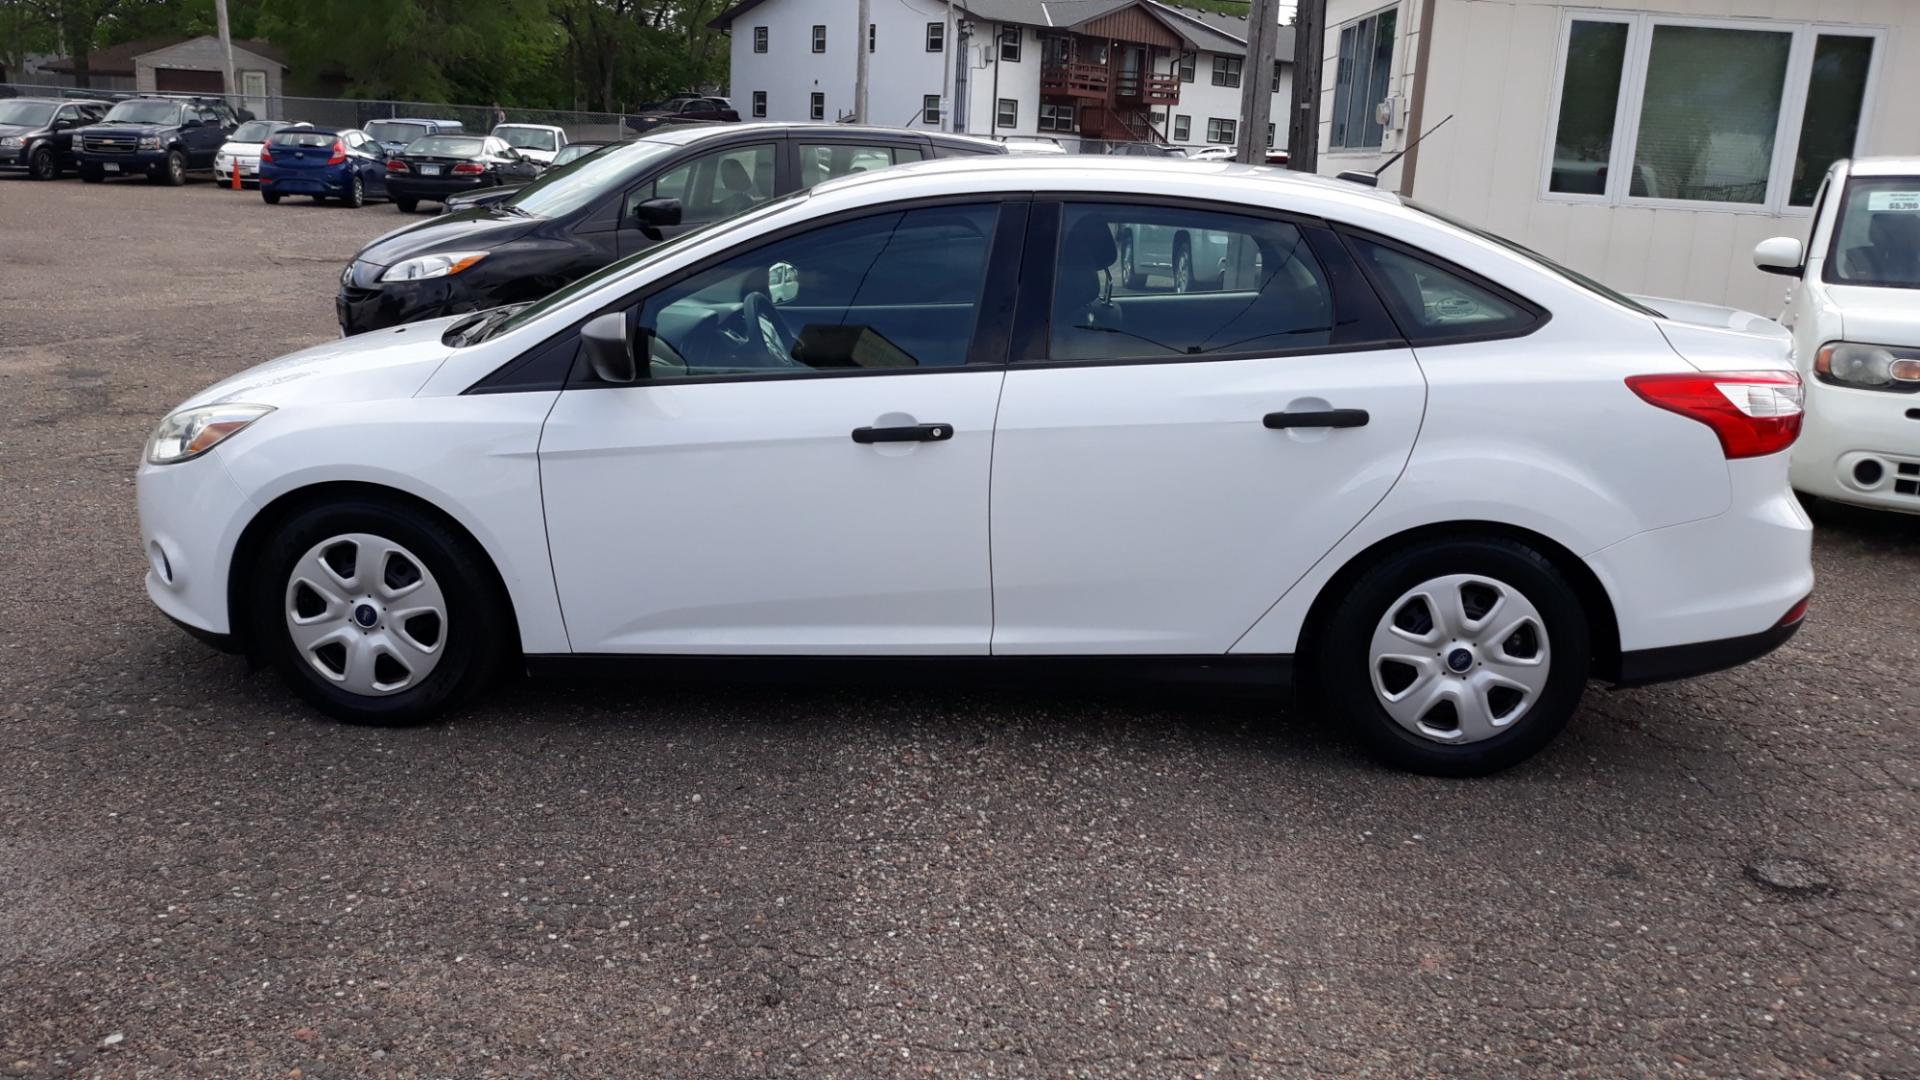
x=622 y=200
x=161 y=137
x=36 y=134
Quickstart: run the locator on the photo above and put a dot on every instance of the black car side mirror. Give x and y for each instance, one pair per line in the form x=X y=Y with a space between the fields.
x=189 y=122
x=650 y=216
x=610 y=349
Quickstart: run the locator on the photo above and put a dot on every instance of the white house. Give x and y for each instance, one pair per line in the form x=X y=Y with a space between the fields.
x=1078 y=71
x=1647 y=143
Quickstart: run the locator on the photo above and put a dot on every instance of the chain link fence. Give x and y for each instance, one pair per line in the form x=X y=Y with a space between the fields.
x=353 y=112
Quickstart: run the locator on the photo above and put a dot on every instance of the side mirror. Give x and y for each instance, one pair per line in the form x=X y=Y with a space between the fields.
x=189 y=122
x=609 y=349
x=1779 y=255
x=652 y=214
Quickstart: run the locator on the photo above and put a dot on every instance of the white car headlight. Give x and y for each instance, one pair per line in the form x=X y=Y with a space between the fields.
x=432 y=266
x=10 y=142
x=1874 y=367
x=187 y=434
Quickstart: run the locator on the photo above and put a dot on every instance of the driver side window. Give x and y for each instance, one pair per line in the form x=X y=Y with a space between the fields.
x=714 y=186
x=891 y=291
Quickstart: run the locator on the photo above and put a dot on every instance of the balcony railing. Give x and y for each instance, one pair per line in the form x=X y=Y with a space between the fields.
x=1148 y=89
x=1075 y=78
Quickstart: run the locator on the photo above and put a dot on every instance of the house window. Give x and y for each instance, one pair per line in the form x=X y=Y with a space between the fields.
x=1008 y=114
x=759 y=39
x=1187 y=61
x=936 y=37
x=1056 y=117
x=1360 y=81
x=1010 y=44
x=818 y=109
x=1221 y=131
x=819 y=39
x=1276 y=76
x=930 y=108
x=1738 y=114
x=759 y=103
x=1269 y=136
x=1182 y=128
x=1226 y=71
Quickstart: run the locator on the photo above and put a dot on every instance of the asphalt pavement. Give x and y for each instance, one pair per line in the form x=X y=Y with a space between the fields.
x=199 y=877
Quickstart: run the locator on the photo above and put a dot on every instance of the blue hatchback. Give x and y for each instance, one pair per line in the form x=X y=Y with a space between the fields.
x=326 y=163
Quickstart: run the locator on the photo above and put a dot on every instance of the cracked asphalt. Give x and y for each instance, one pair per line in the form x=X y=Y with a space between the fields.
x=198 y=877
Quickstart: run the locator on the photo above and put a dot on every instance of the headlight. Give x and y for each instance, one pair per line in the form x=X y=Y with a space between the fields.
x=152 y=142
x=11 y=142
x=1872 y=367
x=432 y=266
x=191 y=432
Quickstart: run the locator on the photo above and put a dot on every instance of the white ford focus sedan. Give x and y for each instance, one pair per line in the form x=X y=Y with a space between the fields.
x=918 y=414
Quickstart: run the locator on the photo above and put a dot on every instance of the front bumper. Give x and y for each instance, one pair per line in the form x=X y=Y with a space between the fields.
x=17 y=157
x=249 y=168
x=144 y=162
x=191 y=516
x=379 y=306
x=1860 y=447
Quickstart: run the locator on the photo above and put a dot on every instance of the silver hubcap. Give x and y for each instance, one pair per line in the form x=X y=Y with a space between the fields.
x=1459 y=658
x=366 y=613
x=1182 y=272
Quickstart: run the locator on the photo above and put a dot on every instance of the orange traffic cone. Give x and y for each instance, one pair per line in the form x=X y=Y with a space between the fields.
x=236 y=174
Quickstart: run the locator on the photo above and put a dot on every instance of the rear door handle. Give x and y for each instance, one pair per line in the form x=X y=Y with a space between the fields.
x=904 y=433
x=1318 y=418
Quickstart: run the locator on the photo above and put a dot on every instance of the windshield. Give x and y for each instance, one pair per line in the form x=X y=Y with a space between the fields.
x=143 y=112
x=574 y=151
x=1876 y=239
x=446 y=146
x=254 y=131
x=567 y=293
x=567 y=190
x=389 y=131
x=527 y=138
x=1538 y=259
x=25 y=113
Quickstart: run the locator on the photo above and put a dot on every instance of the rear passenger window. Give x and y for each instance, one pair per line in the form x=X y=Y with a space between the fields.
x=1141 y=282
x=1433 y=303
x=825 y=161
x=714 y=186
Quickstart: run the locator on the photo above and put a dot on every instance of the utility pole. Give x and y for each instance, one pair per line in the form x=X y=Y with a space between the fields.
x=1256 y=80
x=860 y=62
x=226 y=48
x=1303 y=120
x=963 y=64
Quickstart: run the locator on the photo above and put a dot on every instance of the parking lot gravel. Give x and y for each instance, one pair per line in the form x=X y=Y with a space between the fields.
x=199 y=877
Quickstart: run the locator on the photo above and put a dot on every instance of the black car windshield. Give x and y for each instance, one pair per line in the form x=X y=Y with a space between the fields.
x=254 y=131
x=143 y=112
x=26 y=113
x=447 y=146
x=574 y=151
x=1876 y=239
x=566 y=293
x=391 y=131
x=302 y=138
x=1538 y=259
x=527 y=138
x=567 y=190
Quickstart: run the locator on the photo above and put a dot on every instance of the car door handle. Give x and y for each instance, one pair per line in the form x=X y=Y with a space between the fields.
x=1318 y=418
x=904 y=433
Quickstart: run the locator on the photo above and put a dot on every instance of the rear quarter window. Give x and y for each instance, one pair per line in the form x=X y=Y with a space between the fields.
x=1434 y=302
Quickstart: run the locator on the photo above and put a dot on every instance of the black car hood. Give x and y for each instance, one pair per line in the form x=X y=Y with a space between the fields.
x=124 y=129
x=20 y=129
x=475 y=230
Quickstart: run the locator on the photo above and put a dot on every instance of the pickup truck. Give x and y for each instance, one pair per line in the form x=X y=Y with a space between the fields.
x=162 y=138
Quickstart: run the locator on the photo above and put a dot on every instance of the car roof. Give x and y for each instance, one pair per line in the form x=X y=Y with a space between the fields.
x=683 y=134
x=409 y=120
x=537 y=127
x=1885 y=166
x=58 y=101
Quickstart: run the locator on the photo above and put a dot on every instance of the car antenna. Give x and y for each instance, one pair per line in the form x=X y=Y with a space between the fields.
x=1372 y=179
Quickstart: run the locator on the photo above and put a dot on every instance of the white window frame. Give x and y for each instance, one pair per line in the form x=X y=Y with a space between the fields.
x=1228 y=67
x=1058 y=118
x=760 y=38
x=817 y=40
x=1227 y=126
x=1012 y=36
x=1182 y=120
x=999 y=110
x=757 y=103
x=1394 y=73
x=1633 y=84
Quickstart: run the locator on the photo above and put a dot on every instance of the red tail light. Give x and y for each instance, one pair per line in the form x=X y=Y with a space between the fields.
x=1795 y=613
x=469 y=168
x=1753 y=412
x=339 y=156
x=396 y=165
x=266 y=154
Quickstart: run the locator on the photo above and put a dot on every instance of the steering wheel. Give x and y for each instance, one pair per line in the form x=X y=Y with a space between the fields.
x=764 y=322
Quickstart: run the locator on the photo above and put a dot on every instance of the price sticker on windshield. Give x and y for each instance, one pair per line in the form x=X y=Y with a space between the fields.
x=1882 y=201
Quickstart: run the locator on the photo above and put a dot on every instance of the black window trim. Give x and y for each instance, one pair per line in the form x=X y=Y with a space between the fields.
x=1032 y=328
x=1541 y=316
x=534 y=371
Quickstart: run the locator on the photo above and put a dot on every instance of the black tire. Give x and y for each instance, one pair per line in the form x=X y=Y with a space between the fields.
x=173 y=173
x=1183 y=254
x=477 y=626
x=92 y=174
x=42 y=166
x=407 y=206
x=1133 y=279
x=356 y=195
x=1341 y=656
x=271 y=198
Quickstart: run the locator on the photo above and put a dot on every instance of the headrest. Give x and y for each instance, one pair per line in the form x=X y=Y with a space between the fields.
x=1089 y=245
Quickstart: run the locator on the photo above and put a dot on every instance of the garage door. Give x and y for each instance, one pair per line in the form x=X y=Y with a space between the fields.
x=186 y=81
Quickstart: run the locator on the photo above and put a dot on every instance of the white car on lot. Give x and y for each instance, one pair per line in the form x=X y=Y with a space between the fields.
x=242 y=149
x=1442 y=478
x=535 y=142
x=1854 y=311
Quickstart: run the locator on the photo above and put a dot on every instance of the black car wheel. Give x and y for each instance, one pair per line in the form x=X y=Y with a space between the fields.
x=174 y=172
x=42 y=166
x=1133 y=279
x=357 y=195
x=271 y=198
x=407 y=206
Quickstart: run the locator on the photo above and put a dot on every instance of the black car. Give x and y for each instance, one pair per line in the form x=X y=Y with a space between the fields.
x=568 y=154
x=612 y=204
x=162 y=138
x=438 y=167
x=36 y=134
x=684 y=109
